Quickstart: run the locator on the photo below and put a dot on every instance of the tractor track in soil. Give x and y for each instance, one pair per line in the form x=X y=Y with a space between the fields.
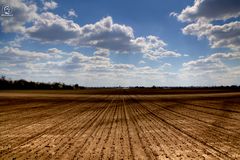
x=119 y=126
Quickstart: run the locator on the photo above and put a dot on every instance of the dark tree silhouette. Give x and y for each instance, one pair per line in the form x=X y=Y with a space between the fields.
x=23 y=84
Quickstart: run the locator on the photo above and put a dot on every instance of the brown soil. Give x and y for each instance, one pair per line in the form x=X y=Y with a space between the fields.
x=41 y=125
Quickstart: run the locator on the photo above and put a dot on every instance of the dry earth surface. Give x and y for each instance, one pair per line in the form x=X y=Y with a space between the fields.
x=119 y=124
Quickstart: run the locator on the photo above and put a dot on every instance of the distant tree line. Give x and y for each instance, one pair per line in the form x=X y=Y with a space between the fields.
x=23 y=84
x=192 y=87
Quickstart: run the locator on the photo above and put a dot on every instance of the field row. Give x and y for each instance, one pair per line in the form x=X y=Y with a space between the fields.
x=119 y=127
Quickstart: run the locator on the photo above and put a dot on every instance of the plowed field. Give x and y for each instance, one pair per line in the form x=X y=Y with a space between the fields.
x=119 y=126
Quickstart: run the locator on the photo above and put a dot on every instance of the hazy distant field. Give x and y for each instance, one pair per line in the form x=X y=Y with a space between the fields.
x=120 y=124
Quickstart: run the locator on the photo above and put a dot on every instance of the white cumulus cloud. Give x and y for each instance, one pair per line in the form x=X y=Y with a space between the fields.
x=22 y=13
x=72 y=13
x=211 y=10
x=49 y=5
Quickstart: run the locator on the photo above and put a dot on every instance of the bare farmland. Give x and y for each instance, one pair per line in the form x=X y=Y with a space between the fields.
x=42 y=125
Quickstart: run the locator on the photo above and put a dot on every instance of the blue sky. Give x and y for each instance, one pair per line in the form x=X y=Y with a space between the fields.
x=127 y=43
